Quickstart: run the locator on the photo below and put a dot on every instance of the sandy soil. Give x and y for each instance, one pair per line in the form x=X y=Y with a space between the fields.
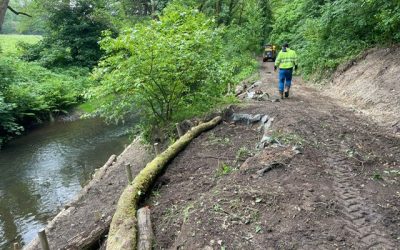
x=340 y=192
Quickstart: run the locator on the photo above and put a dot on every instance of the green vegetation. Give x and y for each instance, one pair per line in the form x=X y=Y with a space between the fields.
x=30 y=93
x=9 y=43
x=327 y=33
x=175 y=67
x=243 y=153
x=287 y=138
x=224 y=169
x=168 y=60
x=72 y=35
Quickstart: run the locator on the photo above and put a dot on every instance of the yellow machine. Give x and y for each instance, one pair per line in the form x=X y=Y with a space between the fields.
x=269 y=52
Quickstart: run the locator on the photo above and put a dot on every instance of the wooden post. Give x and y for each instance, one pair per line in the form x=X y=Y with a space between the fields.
x=178 y=128
x=129 y=172
x=17 y=246
x=146 y=236
x=157 y=148
x=43 y=239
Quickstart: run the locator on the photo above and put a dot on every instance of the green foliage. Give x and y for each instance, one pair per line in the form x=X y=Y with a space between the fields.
x=72 y=34
x=162 y=68
x=9 y=43
x=12 y=21
x=243 y=153
x=327 y=33
x=8 y=124
x=178 y=65
x=29 y=93
x=224 y=169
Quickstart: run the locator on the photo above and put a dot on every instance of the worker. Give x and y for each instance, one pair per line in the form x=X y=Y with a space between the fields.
x=286 y=62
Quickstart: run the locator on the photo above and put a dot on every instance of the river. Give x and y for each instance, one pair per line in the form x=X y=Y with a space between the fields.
x=41 y=171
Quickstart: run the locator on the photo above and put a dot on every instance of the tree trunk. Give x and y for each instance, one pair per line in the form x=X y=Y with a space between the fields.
x=3 y=10
x=145 y=231
x=123 y=231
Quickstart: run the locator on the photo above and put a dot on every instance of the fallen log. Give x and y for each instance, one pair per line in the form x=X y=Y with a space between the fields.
x=145 y=231
x=123 y=231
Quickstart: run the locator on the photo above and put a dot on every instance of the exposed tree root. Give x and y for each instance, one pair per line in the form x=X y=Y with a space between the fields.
x=123 y=230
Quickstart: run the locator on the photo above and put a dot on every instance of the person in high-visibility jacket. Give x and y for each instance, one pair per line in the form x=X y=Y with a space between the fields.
x=286 y=62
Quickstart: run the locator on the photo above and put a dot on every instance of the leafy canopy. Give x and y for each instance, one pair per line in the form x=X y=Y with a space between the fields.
x=162 y=68
x=328 y=32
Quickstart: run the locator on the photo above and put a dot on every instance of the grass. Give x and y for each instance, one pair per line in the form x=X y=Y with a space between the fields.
x=8 y=43
x=288 y=138
x=224 y=169
x=243 y=153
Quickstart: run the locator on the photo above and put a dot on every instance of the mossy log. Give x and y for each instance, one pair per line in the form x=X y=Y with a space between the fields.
x=123 y=231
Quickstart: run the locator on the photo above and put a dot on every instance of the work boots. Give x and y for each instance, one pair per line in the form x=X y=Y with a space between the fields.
x=287 y=92
x=281 y=94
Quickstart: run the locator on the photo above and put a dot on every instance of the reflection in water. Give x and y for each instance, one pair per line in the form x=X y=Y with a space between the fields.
x=41 y=171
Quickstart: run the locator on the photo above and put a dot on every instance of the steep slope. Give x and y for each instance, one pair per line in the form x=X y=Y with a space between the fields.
x=371 y=84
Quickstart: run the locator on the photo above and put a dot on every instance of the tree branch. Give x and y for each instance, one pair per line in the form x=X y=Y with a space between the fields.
x=18 y=13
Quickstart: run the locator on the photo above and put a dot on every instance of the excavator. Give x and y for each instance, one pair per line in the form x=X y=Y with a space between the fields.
x=269 y=52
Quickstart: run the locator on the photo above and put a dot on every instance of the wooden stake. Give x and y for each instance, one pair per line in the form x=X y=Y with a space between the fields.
x=157 y=148
x=123 y=231
x=146 y=236
x=178 y=128
x=43 y=239
x=129 y=172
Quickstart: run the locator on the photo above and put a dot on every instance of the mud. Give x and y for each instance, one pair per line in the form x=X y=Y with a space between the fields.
x=336 y=186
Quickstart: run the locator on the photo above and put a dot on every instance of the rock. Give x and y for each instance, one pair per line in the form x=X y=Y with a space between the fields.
x=240 y=89
x=257 y=95
x=264 y=119
x=246 y=118
x=250 y=95
x=297 y=150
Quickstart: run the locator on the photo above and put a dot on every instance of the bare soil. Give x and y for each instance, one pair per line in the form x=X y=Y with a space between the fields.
x=341 y=191
x=371 y=84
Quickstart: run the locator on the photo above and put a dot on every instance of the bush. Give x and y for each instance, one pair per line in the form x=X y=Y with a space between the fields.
x=327 y=33
x=72 y=35
x=29 y=93
x=165 y=69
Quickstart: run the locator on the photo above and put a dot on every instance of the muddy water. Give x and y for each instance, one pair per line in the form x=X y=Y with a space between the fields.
x=39 y=172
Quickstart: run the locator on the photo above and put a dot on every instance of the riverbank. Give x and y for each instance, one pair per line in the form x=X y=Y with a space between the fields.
x=320 y=174
x=85 y=220
x=47 y=167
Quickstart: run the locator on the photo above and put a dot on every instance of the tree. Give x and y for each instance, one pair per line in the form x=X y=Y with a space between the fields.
x=3 y=10
x=72 y=34
x=163 y=69
x=4 y=5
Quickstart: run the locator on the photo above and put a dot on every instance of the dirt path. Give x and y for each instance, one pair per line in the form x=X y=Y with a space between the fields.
x=342 y=191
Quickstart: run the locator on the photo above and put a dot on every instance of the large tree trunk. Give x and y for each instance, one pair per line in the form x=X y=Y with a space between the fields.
x=123 y=230
x=3 y=10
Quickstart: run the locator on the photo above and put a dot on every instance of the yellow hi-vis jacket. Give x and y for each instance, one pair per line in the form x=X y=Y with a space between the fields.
x=286 y=59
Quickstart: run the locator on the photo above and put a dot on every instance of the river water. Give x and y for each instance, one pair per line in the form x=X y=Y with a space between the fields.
x=41 y=171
